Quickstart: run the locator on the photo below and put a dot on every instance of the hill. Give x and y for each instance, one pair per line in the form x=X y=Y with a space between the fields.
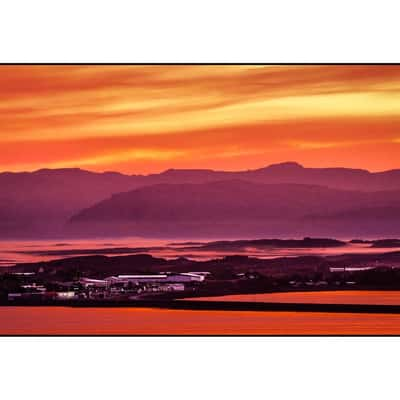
x=38 y=204
x=236 y=208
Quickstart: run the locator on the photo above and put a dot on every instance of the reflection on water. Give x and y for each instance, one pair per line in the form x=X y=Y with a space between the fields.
x=131 y=321
x=12 y=252
x=391 y=297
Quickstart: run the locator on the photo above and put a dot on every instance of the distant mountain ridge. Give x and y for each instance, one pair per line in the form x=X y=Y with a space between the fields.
x=235 y=207
x=291 y=172
x=287 y=172
x=41 y=202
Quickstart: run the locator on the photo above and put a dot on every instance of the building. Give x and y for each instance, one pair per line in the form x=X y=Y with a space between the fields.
x=86 y=282
x=185 y=277
x=26 y=295
x=350 y=269
x=65 y=295
x=172 y=287
x=13 y=296
x=33 y=288
x=22 y=273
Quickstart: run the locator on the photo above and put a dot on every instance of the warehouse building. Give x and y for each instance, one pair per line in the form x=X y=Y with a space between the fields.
x=185 y=277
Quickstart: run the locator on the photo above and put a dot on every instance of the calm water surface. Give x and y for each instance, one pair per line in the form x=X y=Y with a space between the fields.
x=390 y=297
x=140 y=321
x=96 y=321
x=12 y=252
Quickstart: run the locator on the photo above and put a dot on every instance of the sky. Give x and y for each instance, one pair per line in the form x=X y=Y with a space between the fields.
x=146 y=119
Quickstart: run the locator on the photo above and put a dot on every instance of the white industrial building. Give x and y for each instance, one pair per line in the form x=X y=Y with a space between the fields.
x=87 y=282
x=185 y=277
x=65 y=295
x=349 y=269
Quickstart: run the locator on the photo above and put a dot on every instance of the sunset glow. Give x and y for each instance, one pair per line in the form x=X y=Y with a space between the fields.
x=144 y=119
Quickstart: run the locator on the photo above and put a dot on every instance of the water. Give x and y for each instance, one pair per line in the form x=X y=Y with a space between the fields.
x=149 y=321
x=12 y=252
x=131 y=321
x=390 y=297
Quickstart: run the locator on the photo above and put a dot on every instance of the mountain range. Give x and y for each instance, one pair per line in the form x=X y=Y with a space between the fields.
x=279 y=200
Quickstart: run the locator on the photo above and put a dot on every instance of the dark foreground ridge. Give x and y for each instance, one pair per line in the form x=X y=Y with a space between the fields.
x=194 y=305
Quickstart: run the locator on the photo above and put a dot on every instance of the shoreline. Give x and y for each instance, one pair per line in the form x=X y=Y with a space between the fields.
x=194 y=305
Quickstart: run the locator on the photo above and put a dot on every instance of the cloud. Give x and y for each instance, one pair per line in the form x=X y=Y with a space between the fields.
x=115 y=115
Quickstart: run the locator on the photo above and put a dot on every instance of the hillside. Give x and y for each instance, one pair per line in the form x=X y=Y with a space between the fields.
x=36 y=204
x=234 y=208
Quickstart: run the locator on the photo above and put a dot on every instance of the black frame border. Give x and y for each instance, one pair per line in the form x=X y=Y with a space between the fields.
x=195 y=64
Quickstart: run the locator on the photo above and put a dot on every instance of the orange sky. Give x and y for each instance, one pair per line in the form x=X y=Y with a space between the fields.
x=142 y=119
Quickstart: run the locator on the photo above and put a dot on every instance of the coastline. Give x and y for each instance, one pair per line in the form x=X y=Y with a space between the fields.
x=194 y=305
